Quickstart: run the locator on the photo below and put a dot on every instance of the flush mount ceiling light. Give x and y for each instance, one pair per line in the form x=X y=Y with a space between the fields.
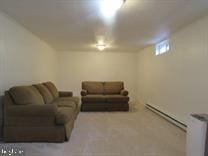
x=101 y=47
x=109 y=7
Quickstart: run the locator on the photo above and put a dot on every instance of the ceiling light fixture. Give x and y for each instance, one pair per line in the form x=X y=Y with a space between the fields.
x=109 y=7
x=101 y=47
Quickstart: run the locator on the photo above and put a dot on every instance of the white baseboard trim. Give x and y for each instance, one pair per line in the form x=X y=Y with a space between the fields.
x=167 y=116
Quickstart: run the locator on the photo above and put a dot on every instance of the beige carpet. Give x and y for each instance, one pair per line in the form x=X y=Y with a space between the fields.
x=136 y=133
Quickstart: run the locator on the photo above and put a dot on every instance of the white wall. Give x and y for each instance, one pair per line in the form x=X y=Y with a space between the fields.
x=75 y=67
x=24 y=58
x=177 y=82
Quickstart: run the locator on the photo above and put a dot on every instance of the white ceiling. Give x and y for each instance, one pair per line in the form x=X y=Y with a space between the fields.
x=76 y=25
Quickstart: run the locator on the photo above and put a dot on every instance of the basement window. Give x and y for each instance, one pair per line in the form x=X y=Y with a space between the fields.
x=162 y=47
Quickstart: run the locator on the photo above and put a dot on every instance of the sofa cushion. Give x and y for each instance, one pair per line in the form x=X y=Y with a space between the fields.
x=52 y=88
x=93 y=87
x=113 y=87
x=116 y=98
x=64 y=115
x=24 y=95
x=75 y=99
x=27 y=111
x=46 y=94
x=65 y=103
x=94 y=98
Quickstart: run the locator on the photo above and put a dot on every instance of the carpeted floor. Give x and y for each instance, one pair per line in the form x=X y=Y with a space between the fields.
x=139 y=132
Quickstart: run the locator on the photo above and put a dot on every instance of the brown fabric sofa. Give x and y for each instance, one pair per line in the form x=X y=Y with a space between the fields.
x=104 y=96
x=38 y=113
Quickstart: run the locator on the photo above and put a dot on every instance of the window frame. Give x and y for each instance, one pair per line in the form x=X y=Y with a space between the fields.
x=162 y=47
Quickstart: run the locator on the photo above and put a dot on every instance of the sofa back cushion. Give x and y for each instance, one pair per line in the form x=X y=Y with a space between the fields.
x=93 y=87
x=52 y=88
x=25 y=95
x=113 y=87
x=46 y=94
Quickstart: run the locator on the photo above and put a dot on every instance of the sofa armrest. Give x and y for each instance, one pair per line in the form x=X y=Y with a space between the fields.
x=65 y=94
x=83 y=92
x=124 y=92
x=46 y=110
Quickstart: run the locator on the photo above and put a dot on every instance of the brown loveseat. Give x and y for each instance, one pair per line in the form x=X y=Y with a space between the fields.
x=104 y=96
x=38 y=113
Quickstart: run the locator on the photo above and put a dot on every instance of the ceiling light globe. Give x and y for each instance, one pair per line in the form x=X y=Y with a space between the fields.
x=101 y=47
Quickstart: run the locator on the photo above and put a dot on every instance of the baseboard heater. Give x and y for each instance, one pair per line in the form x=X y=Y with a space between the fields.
x=167 y=117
